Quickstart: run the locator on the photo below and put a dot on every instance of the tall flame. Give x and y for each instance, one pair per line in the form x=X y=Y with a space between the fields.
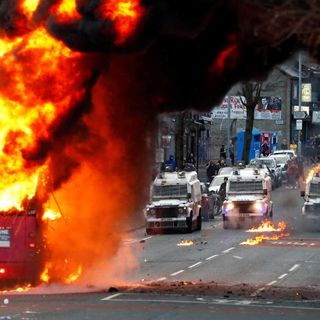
x=32 y=96
x=45 y=96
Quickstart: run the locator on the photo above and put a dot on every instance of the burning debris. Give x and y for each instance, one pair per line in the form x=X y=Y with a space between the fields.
x=185 y=243
x=82 y=82
x=267 y=227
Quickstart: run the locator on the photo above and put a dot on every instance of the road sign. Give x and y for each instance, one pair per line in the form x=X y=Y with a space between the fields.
x=299 y=114
x=298 y=124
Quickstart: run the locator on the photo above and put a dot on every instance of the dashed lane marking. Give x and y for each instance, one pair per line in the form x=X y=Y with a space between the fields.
x=194 y=265
x=211 y=257
x=282 y=276
x=296 y=266
x=295 y=243
x=176 y=273
x=271 y=283
x=162 y=279
x=112 y=296
x=228 y=250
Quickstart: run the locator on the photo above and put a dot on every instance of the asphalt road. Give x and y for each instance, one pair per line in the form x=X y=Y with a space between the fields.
x=216 y=277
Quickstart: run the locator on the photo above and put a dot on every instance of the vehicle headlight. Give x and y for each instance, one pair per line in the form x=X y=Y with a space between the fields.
x=151 y=212
x=260 y=206
x=228 y=206
x=182 y=210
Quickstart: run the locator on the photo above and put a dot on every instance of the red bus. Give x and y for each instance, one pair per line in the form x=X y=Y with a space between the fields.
x=21 y=246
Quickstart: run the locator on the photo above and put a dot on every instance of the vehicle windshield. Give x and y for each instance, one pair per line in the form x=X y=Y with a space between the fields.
x=217 y=181
x=314 y=191
x=225 y=170
x=268 y=162
x=247 y=187
x=256 y=164
x=170 y=191
x=281 y=159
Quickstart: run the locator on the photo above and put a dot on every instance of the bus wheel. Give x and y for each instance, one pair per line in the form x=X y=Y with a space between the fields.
x=190 y=223
x=226 y=224
x=199 y=221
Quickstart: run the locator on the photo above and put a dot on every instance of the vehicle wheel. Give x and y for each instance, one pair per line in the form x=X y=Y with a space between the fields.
x=271 y=215
x=149 y=231
x=190 y=223
x=199 y=221
x=216 y=208
x=226 y=224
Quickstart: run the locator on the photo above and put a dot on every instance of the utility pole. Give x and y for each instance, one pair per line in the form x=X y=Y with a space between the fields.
x=299 y=99
x=228 y=160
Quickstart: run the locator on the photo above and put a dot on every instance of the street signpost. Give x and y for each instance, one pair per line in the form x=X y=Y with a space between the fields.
x=299 y=115
x=298 y=124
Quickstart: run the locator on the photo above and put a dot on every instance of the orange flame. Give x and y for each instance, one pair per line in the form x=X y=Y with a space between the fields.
x=74 y=276
x=185 y=243
x=266 y=226
x=29 y=7
x=49 y=214
x=312 y=172
x=25 y=84
x=125 y=14
x=44 y=277
x=67 y=10
x=19 y=289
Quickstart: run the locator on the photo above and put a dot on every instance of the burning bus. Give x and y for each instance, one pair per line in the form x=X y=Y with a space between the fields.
x=22 y=244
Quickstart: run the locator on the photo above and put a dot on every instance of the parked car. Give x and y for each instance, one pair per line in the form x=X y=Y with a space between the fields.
x=290 y=153
x=275 y=169
x=264 y=170
x=225 y=171
x=282 y=161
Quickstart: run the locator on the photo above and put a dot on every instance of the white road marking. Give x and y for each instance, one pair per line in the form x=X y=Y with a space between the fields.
x=211 y=257
x=282 y=276
x=271 y=283
x=254 y=294
x=294 y=267
x=147 y=238
x=112 y=296
x=162 y=279
x=176 y=273
x=194 y=265
x=228 y=250
x=237 y=257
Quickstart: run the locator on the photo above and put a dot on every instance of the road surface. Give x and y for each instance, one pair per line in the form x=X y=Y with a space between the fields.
x=216 y=277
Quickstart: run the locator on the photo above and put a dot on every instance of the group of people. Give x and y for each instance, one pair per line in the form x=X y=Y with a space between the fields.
x=213 y=168
x=223 y=152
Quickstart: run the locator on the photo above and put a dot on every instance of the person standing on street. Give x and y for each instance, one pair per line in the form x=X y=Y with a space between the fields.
x=211 y=170
x=223 y=189
x=223 y=154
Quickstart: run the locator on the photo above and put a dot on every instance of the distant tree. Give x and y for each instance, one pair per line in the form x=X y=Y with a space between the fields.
x=251 y=91
x=179 y=138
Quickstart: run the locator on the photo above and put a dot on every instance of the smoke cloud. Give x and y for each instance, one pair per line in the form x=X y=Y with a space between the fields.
x=172 y=55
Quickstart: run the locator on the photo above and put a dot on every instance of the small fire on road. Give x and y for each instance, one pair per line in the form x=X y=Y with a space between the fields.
x=185 y=243
x=267 y=226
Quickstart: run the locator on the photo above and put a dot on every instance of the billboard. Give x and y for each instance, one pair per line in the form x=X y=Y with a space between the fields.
x=268 y=108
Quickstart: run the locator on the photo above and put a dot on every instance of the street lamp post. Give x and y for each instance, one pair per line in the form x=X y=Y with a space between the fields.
x=228 y=159
x=299 y=100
